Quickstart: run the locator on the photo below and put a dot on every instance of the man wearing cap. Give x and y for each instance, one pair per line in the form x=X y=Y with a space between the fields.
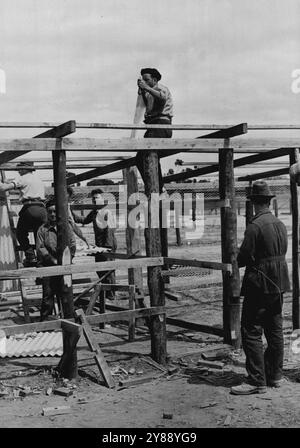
x=159 y=110
x=46 y=248
x=266 y=279
x=104 y=229
x=33 y=213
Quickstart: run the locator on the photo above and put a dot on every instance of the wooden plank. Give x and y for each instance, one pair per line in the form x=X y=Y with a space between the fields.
x=57 y=132
x=131 y=145
x=231 y=281
x=232 y=131
x=76 y=269
x=94 y=347
x=33 y=327
x=73 y=166
x=93 y=299
x=194 y=326
x=294 y=158
x=197 y=127
x=199 y=264
x=266 y=155
x=117 y=166
x=126 y=315
x=264 y=175
x=94 y=144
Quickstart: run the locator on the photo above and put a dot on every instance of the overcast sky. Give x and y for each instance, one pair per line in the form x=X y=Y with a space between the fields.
x=225 y=61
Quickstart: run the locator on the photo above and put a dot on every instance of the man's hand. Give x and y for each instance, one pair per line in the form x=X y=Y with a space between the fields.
x=142 y=85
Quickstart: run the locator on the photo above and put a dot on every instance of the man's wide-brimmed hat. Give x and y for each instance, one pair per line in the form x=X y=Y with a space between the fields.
x=25 y=166
x=260 y=189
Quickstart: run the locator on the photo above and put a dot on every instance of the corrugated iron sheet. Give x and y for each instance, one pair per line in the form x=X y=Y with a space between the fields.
x=32 y=344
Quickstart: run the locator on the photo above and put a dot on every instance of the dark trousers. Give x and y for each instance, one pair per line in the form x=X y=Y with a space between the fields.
x=51 y=290
x=110 y=278
x=262 y=312
x=30 y=219
x=154 y=133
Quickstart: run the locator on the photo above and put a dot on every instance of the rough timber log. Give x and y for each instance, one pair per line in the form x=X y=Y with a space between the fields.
x=294 y=158
x=231 y=282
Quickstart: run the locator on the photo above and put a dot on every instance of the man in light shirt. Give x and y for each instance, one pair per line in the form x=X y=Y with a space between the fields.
x=33 y=213
x=104 y=225
x=159 y=110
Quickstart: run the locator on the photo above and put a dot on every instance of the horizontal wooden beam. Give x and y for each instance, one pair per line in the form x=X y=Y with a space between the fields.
x=232 y=131
x=180 y=323
x=265 y=174
x=117 y=166
x=30 y=328
x=125 y=315
x=96 y=144
x=131 y=162
x=133 y=145
x=266 y=155
x=199 y=264
x=57 y=132
x=204 y=127
x=77 y=269
x=194 y=326
x=79 y=166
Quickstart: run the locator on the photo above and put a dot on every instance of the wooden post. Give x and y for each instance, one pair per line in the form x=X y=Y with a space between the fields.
x=135 y=276
x=294 y=158
x=275 y=207
x=68 y=368
x=249 y=212
x=131 y=322
x=150 y=168
x=231 y=282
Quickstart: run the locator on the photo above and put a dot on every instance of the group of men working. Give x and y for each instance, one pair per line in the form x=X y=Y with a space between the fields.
x=262 y=251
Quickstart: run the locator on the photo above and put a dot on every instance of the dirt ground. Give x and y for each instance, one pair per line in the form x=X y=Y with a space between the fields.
x=192 y=397
x=195 y=398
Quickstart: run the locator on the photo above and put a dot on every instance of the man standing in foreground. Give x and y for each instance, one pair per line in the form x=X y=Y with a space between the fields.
x=266 y=279
x=159 y=110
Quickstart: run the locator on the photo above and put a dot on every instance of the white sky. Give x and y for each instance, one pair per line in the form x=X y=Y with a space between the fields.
x=225 y=61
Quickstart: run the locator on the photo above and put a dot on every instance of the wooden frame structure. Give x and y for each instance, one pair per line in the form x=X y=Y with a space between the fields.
x=218 y=141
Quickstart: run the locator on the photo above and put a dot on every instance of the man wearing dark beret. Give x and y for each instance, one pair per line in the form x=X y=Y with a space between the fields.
x=159 y=110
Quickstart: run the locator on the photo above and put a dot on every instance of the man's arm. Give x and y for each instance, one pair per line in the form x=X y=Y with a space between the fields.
x=157 y=93
x=248 y=248
x=42 y=252
x=81 y=219
x=72 y=241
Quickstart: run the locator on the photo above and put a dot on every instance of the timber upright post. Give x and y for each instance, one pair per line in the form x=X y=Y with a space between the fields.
x=68 y=363
x=135 y=275
x=249 y=206
x=231 y=281
x=294 y=158
x=150 y=163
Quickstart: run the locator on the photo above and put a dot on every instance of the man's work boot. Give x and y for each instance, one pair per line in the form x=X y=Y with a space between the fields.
x=276 y=383
x=247 y=389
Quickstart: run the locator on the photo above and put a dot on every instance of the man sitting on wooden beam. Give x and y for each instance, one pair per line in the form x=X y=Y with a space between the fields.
x=159 y=110
x=46 y=247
